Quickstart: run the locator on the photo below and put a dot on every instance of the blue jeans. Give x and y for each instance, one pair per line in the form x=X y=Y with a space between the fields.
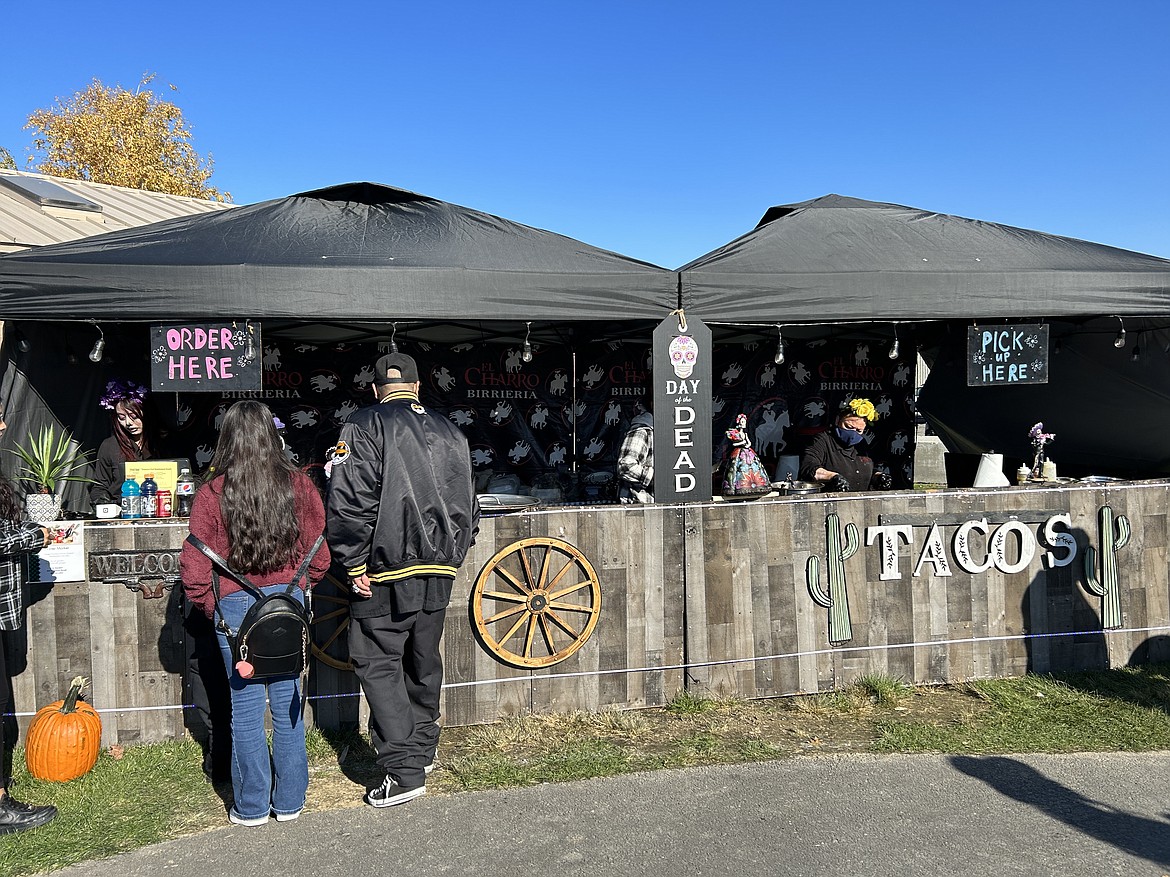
x=253 y=769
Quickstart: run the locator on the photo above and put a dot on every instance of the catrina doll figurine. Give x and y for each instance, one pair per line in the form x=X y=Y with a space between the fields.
x=743 y=474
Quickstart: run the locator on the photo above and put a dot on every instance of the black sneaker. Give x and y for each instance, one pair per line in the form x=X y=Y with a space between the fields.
x=18 y=816
x=390 y=794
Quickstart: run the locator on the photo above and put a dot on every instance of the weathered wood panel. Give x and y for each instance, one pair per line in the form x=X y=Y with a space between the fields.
x=720 y=588
x=934 y=621
x=128 y=645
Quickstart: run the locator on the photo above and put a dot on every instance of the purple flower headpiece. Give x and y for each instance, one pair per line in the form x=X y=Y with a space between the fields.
x=1039 y=437
x=122 y=391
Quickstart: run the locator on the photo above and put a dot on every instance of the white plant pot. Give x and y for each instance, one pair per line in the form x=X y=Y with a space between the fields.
x=43 y=508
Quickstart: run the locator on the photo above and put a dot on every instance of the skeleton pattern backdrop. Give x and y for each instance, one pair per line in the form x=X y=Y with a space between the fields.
x=522 y=418
x=788 y=403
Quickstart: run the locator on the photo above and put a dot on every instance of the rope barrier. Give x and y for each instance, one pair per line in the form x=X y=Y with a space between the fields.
x=115 y=711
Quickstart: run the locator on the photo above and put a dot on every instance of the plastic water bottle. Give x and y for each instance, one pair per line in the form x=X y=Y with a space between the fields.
x=149 y=496
x=184 y=494
x=131 y=499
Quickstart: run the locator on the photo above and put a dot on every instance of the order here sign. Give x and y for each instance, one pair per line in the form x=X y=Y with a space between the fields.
x=206 y=357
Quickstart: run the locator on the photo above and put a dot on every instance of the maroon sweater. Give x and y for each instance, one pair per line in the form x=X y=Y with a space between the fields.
x=207 y=524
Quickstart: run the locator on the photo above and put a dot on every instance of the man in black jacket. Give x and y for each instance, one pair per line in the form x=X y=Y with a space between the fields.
x=401 y=516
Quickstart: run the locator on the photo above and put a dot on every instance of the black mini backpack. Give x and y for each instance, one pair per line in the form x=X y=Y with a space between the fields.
x=273 y=637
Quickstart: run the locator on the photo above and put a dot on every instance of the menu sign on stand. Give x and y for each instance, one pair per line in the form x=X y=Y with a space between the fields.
x=63 y=559
x=206 y=357
x=1001 y=355
x=165 y=472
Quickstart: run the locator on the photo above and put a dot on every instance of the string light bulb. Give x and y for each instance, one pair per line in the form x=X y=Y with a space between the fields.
x=393 y=332
x=22 y=342
x=895 y=347
x=1136 y=354
x=249 y=341
x=526 y=352
x=1119 y=341
x=99 y=346
x=779 y=357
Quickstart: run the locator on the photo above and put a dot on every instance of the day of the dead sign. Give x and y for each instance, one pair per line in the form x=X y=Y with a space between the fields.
x=205 y=357
x=682 y=411
x=999 y=355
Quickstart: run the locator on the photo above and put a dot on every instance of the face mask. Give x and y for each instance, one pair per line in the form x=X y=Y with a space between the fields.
x=848 y=437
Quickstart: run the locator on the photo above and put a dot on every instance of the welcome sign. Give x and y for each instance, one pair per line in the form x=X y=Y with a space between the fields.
x=205 y=357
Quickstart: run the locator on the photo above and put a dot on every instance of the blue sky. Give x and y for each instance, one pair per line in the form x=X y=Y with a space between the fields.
x=657 y=129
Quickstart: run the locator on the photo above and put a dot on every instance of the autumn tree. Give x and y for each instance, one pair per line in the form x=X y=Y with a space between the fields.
x=6 y=160
x=125 y=138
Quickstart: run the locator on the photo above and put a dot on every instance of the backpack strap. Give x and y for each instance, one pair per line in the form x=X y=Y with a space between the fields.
x=304 y=567
x=247 y=585
x=216 y=560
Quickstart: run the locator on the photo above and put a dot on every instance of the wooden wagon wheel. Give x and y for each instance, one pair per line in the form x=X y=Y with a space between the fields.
x=536 y=602
x=330 y=642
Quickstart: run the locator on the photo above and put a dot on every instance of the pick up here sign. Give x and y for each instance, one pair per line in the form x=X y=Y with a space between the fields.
x=999 y=355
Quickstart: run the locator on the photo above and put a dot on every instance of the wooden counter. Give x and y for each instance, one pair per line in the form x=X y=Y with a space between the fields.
x=932 y=595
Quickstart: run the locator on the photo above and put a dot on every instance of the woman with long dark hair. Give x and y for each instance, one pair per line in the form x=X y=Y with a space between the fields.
x=17 y=537
x=263 y=516
x=128 y=441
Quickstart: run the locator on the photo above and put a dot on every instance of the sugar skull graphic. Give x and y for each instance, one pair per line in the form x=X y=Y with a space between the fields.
x=683 y=353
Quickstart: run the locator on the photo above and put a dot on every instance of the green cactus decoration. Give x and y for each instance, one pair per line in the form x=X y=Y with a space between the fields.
x=1106 y=587
x=836 y=599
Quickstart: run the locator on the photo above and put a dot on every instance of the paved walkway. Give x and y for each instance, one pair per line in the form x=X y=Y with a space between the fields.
x=842 y=815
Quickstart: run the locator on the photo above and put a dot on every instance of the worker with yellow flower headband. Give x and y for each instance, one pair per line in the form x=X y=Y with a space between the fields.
x=832 y=457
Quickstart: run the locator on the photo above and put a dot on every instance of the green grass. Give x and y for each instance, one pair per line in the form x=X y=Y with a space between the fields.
x=152 y=793
x=1120 y=710
x=686 y=703
x=882 y=689
x=157 y=792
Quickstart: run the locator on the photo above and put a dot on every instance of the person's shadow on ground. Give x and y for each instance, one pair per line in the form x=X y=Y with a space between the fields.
x=1147 y=684
x=355 y=757
x=1146 y=838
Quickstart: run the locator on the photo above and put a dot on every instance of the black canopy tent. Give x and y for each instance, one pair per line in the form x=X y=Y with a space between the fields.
x=845 y=259
x=349 y=253
x=348 y=263
x=861 y=264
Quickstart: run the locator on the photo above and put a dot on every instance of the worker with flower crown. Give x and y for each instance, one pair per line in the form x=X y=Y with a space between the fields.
x=833 y=458
x=128 y=442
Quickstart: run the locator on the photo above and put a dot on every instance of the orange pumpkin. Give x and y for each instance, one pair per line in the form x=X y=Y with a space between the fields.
x=64 y=738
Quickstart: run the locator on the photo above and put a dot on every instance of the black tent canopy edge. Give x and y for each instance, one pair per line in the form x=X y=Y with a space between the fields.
x=356 y=252
x=845 y=259
x=363 y=252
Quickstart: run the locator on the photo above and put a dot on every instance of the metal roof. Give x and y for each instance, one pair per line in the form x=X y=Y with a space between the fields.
x=26 y=223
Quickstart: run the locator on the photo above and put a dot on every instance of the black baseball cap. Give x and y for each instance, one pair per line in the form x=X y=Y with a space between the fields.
x=403 y=363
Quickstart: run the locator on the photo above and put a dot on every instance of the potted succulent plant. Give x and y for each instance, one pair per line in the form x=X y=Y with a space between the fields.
x=47 y=460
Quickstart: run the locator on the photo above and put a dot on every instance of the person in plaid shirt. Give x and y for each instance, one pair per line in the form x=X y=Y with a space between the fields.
x=635 y=465
x=16 y=538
